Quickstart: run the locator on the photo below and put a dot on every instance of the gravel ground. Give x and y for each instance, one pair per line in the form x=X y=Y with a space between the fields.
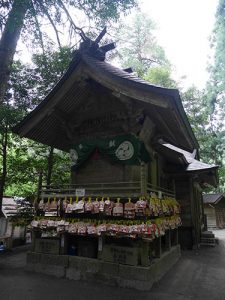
x=197 y=275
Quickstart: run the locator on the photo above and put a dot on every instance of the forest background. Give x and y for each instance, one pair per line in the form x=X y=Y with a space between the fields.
x=41 y=24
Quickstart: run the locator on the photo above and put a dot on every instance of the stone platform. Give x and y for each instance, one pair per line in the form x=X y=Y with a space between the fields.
x=82 y=268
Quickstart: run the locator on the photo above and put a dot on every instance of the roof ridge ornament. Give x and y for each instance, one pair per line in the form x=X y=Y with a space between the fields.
x=92 y=48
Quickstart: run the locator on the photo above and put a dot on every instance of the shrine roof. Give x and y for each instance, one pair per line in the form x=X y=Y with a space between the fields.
x=47 y=123
x=212 y=198
x=189 y=163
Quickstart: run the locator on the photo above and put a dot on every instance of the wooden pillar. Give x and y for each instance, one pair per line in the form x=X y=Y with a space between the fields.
x=63 y=244
x=158 y=247
x=143 y=178
x=168 y=239
x=34 y=234
x=144 y=253
x=176 y=241
x=101 y=242
x=174 y=237
x=194 y=215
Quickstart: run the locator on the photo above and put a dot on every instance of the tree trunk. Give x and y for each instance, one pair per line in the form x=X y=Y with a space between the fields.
x=4 y=166
x=8 y=42
x=50 y=166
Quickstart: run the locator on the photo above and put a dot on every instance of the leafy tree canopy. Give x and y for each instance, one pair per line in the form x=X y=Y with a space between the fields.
x=24 y=160
x=31 y=17
x=215 y=94
x=138 y=45
x=161 y=75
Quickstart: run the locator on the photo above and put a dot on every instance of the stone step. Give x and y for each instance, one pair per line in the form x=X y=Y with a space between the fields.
x=203 y=239
x=208 y=240
x=207 y=245
x=207 y=234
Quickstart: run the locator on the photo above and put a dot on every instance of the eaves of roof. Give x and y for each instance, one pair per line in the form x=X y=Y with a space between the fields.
x=122 y=82
x=208 y=173
x=212 y=198
x=73 y=65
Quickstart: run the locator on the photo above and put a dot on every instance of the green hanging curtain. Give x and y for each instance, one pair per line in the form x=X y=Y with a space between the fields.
x=125 y=149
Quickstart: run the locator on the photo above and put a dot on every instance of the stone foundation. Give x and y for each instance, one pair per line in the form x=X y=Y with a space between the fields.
x=88 y=269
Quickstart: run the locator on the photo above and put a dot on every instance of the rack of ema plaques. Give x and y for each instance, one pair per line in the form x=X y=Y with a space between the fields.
x=129 y=231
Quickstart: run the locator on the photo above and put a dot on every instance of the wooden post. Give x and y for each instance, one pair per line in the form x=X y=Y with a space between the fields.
x=101 y=242
x=143 y=177
x=158 y=247
x=34 y=234
x=144 y=253
x=168 y=240
x=176 y=237
x=63 y=244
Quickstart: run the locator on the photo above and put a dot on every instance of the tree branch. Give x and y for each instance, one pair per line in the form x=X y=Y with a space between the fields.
x=52 y=23
x=150 y=60
x=70 y=18
x=38 y=28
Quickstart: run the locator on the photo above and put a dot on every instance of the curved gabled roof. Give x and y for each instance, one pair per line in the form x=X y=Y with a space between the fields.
x=162 y=105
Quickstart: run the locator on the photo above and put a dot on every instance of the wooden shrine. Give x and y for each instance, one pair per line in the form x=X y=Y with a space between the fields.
x=134 y=159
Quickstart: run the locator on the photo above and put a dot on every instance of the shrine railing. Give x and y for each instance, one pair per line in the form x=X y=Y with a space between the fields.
x=112 y=189
x=159 y=190
x=92 y=189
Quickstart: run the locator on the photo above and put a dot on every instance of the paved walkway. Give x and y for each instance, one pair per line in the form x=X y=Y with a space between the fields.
x=198 y=275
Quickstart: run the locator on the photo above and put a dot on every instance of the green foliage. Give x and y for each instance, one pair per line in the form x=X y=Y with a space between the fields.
x=25 y=162
x=138 y=45
x=26 y=159
x=103 y=9
x=62 y=13
x=211 y=140
x=215 y=96
x=216 y=85
x=194 y=105
x=8 y=117
x=49 y=67
x=217 y=70
x=160 y=75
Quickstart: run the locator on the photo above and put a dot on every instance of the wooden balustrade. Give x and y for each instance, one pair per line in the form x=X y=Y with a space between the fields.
x=113 y=189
